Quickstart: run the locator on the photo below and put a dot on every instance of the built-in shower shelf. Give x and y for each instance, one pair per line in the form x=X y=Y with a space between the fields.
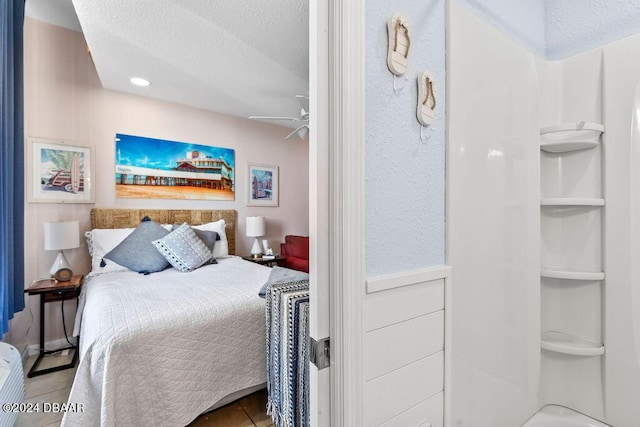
x=566 y=146
x=571 y=274
x=560 y=342
x=570 y=137
x=571 y=201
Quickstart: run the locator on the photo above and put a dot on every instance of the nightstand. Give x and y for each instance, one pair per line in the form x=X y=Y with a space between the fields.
x=51 y=290
x=268 y=262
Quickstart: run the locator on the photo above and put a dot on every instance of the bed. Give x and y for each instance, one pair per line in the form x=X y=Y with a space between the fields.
x=162 y=348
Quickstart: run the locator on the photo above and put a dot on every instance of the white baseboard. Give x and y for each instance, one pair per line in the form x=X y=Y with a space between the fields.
x=48 y=345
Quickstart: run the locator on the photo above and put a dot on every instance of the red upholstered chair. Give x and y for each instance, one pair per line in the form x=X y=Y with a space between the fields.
x=296 y=251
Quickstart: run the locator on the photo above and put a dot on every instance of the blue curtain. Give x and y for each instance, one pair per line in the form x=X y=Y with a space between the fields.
x=11 y=162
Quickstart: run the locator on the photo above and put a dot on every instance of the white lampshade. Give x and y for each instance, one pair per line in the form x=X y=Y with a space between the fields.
x=61 y=235
x=255 y=226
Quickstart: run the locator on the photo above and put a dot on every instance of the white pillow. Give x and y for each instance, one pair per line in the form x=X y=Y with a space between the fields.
x=221 y=248
x=102 y=242
x=89 y=238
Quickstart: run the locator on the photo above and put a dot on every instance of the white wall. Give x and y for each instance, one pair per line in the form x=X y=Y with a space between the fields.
x=64 y=100
x=492 y=225
x=524 y=21
x=404 y=177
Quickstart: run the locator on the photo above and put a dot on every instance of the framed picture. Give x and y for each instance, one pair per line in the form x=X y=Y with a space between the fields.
x=151 y=168
x=263 y=185
x=59 y=172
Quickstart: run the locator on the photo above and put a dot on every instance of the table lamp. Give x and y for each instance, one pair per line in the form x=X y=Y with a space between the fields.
x=255 y=228
x=59 y=236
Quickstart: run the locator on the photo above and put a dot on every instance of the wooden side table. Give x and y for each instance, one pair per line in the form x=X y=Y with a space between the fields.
x=268 y=262
x=51 y=290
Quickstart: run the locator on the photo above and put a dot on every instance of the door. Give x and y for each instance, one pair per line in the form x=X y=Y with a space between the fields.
x=320 y=407
x=336 y=206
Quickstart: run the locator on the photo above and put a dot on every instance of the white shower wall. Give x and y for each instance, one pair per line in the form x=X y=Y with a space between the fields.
x=602 y=86
x=621 y=112
x=498 y=236
x=571 y=237
x=492 y=225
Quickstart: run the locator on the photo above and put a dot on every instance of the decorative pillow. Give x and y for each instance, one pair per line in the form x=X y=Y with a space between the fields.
x=137 y=253
x=209 y=238
x=183 y=249
x=282 y=275
x=88 y=236
x=102 y=242
x=221 y=248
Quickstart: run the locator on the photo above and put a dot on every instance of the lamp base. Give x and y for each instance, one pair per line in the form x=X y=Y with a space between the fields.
x=58 y=263
x=256 y=250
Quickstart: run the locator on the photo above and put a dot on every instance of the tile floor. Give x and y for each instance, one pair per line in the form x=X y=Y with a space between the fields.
x=55 y=387
x=247 y=412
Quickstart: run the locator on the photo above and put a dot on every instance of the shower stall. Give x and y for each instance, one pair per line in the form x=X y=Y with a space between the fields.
x=543 y=232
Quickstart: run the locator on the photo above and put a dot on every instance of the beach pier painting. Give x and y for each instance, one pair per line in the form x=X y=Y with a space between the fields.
x=160 y=169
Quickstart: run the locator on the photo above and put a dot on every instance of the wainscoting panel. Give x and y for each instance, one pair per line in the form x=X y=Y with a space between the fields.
x=398 y=345
x=403 y=347
x=429 y=411
x=391 y=394
x=397 y=305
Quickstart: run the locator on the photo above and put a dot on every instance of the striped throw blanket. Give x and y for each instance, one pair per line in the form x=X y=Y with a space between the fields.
x=287 y=315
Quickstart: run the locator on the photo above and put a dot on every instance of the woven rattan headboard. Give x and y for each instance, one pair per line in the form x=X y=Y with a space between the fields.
x=126 y=218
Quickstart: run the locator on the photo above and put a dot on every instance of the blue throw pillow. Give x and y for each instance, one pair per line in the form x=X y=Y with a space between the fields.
x=137 y=253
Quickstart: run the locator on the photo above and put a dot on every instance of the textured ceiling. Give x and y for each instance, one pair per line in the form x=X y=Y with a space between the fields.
x=555 y=29
x=235 y=57
x=575 y=26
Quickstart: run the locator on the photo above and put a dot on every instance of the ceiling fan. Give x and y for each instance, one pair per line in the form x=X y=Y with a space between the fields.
x=301 y=130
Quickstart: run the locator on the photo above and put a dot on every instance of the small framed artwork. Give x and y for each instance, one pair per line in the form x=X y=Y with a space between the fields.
x=59 y=172
x=263 y=185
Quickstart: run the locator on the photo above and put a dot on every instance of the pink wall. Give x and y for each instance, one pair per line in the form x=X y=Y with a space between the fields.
x=64 y=100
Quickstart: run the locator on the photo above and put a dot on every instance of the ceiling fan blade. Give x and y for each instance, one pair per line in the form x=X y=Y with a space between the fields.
x=301 y=131
x=274 y=118
x=304 y=130
x=303 y=100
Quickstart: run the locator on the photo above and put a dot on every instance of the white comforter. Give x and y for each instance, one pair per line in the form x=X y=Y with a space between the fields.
x=158 y=350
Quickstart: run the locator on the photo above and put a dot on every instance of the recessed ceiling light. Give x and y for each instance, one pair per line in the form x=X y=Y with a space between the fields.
x=139 y=81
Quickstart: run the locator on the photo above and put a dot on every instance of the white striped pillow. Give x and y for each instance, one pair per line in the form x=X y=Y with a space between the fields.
x=183 y=249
